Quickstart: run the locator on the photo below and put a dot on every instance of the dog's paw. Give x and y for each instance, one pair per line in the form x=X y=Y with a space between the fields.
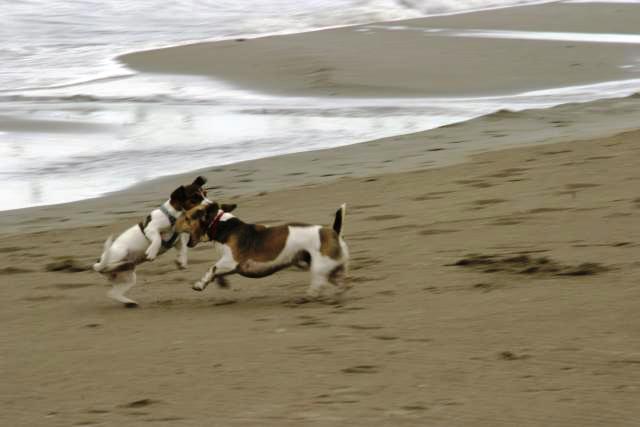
x=181 y=265
x=301 y=300
x=151 y=254
x=198 y=286
x=313 y=293
x=222 y=282
x=341 y=289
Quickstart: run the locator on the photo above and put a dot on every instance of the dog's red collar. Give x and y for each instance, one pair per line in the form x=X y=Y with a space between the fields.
x=214 y=225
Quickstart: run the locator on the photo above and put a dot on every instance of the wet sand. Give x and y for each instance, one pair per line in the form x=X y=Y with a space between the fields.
x=498 y=291
x=15 y=124
x=376 y=60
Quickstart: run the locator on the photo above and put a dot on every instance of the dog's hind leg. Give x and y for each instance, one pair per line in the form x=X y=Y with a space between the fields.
x=321 y=268
x=339 y=275
x=338 y=278
x=121 y=282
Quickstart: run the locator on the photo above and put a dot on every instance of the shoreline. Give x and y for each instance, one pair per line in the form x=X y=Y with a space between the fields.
x=435 y=148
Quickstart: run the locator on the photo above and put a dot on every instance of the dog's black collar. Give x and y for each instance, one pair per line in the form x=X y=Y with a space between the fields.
x=172 y=219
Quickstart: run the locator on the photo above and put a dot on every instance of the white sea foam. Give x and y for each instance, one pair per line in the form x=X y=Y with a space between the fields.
x=546 y=35
x=603 y=1
x=621 y=38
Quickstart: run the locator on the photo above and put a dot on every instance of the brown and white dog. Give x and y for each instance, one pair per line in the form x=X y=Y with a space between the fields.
x=148 y=239
x=254 y=250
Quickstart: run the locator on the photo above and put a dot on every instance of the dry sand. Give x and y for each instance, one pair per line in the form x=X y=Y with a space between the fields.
x=418 y=341
x=382 y=62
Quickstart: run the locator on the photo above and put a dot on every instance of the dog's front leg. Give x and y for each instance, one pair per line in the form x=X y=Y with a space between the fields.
x=156 y=241
x=181 y=246
x=225 y=265
x=205 y=280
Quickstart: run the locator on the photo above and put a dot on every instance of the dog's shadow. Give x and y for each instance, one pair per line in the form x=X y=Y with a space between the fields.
x=244 y=303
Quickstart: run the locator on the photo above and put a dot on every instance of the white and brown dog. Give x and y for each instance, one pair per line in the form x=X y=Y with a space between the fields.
x=148 y=239
x=254 y=250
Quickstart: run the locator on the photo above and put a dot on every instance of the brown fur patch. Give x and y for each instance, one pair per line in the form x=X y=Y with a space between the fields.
x=190 y=222
x=329 y=243
x=262 y=244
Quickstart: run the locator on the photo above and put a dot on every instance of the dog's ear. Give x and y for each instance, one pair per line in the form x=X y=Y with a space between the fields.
x=228 y=207
x=200 y=181
x=212 y=210
x=179 y=194
x=200 y=213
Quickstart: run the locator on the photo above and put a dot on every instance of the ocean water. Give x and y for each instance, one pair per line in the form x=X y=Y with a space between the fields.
x=104 y=127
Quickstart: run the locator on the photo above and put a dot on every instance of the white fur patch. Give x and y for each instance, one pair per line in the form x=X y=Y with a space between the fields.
x=134 y=247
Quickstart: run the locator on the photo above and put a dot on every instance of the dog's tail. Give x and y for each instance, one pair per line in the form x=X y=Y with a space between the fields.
x=101 y=265
x=338 y=222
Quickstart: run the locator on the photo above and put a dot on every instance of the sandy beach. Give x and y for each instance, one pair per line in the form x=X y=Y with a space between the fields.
x=495 y=262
